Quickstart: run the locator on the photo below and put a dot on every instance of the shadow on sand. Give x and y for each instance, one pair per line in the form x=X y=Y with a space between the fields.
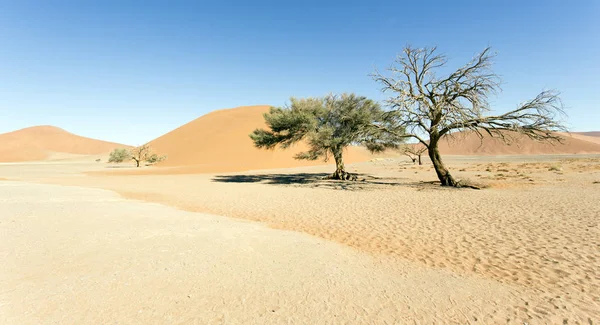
x=319 y=180
x=276 y=179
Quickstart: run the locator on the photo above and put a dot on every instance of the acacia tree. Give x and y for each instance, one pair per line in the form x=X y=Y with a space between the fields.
x=328 y=125
x=118 y=155
x=428 y=107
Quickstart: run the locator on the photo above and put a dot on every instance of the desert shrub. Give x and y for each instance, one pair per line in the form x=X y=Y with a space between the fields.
x=555 y=168
x=154 y=158
x=119 y=155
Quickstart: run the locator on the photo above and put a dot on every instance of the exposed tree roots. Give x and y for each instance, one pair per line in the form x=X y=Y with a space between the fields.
x=342 y=175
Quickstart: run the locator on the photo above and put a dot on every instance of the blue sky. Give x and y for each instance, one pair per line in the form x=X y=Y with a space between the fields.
x=130 y=71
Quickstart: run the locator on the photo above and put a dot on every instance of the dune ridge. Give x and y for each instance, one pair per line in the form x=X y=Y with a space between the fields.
x=219 y=141
x=44 y=142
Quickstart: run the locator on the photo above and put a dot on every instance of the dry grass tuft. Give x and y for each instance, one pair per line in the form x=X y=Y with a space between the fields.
x=555 y=168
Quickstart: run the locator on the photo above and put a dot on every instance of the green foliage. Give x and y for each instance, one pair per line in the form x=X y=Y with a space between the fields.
x=119 y=155
x=328 y=125
x=154 y=158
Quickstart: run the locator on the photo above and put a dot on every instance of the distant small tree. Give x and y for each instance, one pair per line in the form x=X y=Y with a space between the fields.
x=428 y=107
x=139 y=154
x=329 y=125
x=119 y=155
x=414 y=152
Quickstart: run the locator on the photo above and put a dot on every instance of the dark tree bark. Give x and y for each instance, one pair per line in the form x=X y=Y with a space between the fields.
x=137 y=162
x=420 y=162
x=340 y=169
x=442 y=172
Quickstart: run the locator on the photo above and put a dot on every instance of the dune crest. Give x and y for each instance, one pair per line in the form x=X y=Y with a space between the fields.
x=44 y=142
x=219 y=142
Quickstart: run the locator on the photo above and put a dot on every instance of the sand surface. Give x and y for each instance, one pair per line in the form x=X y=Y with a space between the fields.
x=86 y=256
x=534 y=232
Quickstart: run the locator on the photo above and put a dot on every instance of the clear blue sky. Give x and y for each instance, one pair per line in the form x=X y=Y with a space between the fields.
x=130 y=71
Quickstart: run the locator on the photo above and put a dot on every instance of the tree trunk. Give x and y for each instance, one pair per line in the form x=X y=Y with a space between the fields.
x=420 y=162
x=340 y=169
x=442 y=172
x=137 y=163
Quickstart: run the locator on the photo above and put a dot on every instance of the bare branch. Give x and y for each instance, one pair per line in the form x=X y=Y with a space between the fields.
x=424 y=105
x=538 y=119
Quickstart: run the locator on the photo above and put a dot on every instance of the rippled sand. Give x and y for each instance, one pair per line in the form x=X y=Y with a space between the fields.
x=535 y=230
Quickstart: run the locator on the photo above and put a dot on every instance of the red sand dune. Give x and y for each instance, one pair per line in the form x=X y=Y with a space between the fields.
x=469 y=144
x=40 y=142
x=585 y=136
x=219 y=142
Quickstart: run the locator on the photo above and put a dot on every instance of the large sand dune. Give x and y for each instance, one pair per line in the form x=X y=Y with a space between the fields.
x=48 y=142
x=586 y=136
x=219 y=141
x=469 y=144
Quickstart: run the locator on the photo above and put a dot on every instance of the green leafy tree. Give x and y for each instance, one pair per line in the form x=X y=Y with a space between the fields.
x=427 y=107
x=328 y=125
x=119 y=155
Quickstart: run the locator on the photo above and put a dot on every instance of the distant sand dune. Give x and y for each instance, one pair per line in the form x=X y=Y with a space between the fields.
x=219 y=141
x=585 y=136
x=469 y=144
x=48 y=142
x=588 y=134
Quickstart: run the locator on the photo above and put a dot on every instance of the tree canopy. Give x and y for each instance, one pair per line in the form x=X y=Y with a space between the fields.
x=137 y=154
x=328 y=125
x=118 y=155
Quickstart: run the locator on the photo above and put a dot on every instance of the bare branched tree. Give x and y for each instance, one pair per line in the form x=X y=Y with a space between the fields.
x=427 y=107
x=139 y=154
x=414 y=152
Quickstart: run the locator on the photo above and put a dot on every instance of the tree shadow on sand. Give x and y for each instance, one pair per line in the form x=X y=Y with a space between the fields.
x=319 y=180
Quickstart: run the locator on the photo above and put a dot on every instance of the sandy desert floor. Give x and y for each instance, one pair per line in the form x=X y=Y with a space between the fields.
x=393 y=248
